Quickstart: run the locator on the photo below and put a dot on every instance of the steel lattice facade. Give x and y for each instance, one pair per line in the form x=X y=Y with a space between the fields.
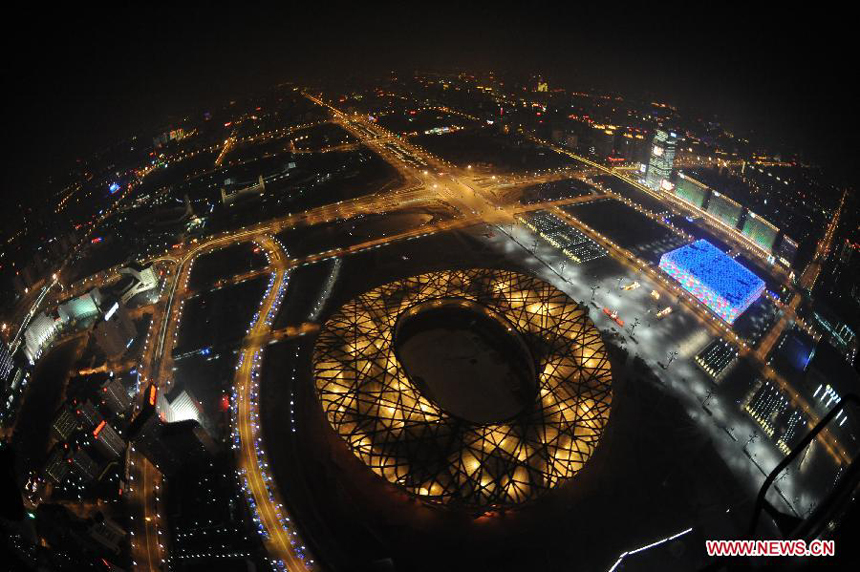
x=404 y=437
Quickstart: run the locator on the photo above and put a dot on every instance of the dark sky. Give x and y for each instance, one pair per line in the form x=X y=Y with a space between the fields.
x=81 y=77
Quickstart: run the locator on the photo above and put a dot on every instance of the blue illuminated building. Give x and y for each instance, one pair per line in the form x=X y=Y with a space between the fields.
x=715 y=279
x=792 y=355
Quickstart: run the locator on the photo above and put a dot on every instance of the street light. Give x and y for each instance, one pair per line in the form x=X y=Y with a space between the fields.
x=672 y=355
x=708 y=397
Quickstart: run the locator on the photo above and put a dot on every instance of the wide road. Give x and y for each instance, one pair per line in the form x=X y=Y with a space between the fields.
x=279 y=542
x=806 y=282
x=713 y=324
x=813 y=269
x=147 y=548
x=730 y=235
x=431 y=187
x=449 y=181
x=428 y=181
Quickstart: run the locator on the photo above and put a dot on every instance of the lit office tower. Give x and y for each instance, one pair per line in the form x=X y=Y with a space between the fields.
x=108 y=440
x=84 y=465
x=65 y=423
x=662 y=159
x=145 y=433
x=168 y=446
x=787 y=250
x=57 y=467
x=89 y=415
x=115 y=396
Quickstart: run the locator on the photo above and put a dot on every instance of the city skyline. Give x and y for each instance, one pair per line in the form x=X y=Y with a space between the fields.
x=746 y=70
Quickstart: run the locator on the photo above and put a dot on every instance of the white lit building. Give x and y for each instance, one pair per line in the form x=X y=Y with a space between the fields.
x=136 y=279
x=39 y=334
x=82 y=307
x=181 y=408
x=662 y=160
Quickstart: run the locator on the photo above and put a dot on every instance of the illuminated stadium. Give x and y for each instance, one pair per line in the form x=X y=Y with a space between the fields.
x=477 y=389
x=715 y=279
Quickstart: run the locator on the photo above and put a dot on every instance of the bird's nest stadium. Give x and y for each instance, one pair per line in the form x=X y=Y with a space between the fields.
x=420 y=434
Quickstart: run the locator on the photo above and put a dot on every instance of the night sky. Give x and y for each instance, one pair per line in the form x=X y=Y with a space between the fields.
x=79 y=79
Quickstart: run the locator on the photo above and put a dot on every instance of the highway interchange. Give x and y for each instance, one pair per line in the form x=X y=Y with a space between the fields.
x=471 y=199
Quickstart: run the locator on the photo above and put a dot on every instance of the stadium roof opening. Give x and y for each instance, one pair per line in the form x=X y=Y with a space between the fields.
x=715 y=279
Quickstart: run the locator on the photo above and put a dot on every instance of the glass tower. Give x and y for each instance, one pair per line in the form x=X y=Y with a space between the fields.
x=662 y=159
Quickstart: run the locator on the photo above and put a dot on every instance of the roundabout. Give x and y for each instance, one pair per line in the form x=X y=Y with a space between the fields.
x=479 y=389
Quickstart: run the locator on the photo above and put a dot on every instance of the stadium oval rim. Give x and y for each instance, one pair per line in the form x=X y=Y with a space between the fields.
x=402 y=436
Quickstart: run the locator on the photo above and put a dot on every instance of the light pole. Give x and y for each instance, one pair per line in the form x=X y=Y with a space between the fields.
x=633 y=325
x=753 y=436
x=708 y=397
x=672 y=355
x=593 y=290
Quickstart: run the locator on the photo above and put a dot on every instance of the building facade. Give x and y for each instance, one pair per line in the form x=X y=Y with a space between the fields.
x=115 y=396
x=115 y=333
x=108 y=441
x=662 y=160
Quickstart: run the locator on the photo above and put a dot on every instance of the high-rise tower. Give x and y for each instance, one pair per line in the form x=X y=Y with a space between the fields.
x=662 y=159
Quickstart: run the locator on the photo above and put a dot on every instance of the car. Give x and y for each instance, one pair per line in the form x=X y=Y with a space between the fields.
x=613 y=315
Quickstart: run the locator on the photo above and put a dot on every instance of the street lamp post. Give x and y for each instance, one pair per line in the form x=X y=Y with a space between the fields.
x=672 y=355
x=708 y=397
x=752 y=437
